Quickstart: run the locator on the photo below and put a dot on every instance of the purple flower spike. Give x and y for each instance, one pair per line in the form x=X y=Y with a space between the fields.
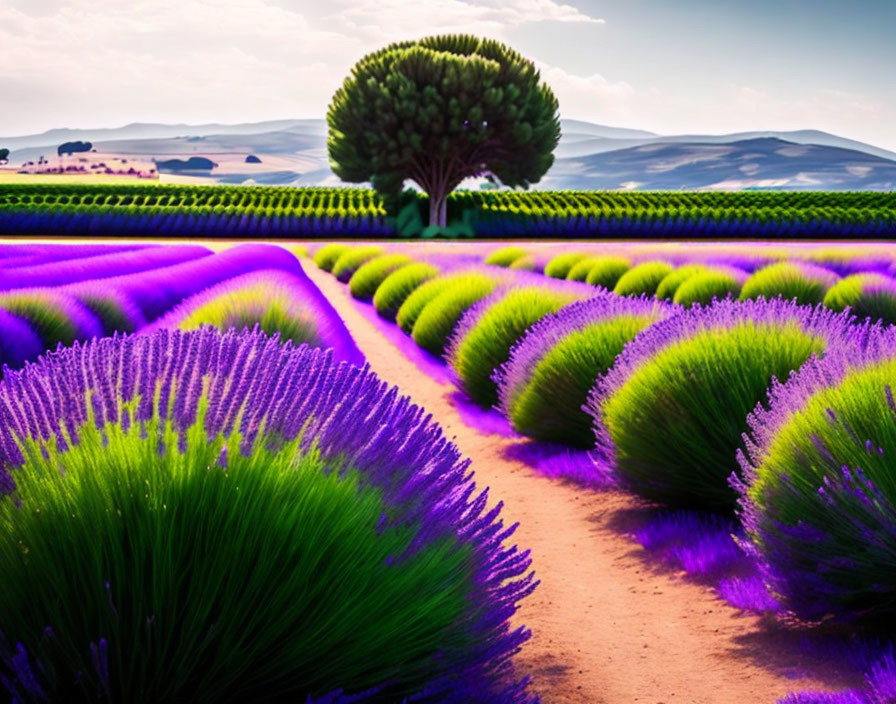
x=294 y=290
x=247 y=381
x=824 y=533
x=557 y=414
x=157 y=291
x=837 y=329
x=18 y=341
x=100 y=263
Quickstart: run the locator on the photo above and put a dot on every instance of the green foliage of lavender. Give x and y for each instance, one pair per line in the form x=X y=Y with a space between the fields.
x=439 y=317
x=666 y=289
x=819 y=502
x=549 y=406
x=677 y=421
x=483 y=339
x=505 y=256
x=325 y=257
x=365 y=281
x=800 y=281
x=604 y=271
x=705 y=287
x=351 y=260
x=415 y=303
x=197 y=517
x=868 y=295
x=558 y=267
x=398 y=285
x=643 y=279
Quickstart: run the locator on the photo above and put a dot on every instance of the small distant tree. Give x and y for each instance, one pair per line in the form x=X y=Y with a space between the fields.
x=73 y=147
x=4 y=155
x=439 y=110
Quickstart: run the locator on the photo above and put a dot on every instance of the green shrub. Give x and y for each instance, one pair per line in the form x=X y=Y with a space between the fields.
x=56 y=317
x=642 y=279
x=299 y=250
x=524 y=263
x=606 y=271
x=398 y=285
x=558 y=267
x=207 y=521
x=868 y=295
x=115 y=310
x=706 y=286
x=367 y=278
x=819 y=502
x=484 y=337
x=670 y=414
x=415 y=303
x=579 y=270
x=349 y=262
x=805 y=282
x=545 y=383
x=325 y=257
x=666 y=289
x=505 y=256
x=439 y=316
x=275 y=301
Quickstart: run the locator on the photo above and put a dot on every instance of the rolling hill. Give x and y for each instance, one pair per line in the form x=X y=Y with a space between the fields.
x=589 y=156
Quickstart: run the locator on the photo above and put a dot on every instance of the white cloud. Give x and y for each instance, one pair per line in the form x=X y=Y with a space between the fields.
x=101 y=62
x=105 y=62
x=582 y=96
x=402 y=18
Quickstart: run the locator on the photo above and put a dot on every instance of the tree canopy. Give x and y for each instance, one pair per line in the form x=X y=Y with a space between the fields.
x=73 y=147
x=439 y=110
x=4 y=154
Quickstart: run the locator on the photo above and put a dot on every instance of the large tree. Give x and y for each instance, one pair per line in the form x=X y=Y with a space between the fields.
x=439 y=110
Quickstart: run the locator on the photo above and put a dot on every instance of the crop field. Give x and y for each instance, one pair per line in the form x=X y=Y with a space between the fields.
x=153 y=210
x=469 y=472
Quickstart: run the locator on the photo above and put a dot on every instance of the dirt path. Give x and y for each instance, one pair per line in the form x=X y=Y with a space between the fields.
x=607 y=625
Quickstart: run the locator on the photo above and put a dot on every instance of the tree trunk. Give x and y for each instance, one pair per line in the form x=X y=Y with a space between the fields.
x=438 y=209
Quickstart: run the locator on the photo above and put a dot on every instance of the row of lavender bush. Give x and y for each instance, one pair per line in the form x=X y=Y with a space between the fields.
x=61 y=297
x=864 y=285
x=778 y=413
x=212 y=515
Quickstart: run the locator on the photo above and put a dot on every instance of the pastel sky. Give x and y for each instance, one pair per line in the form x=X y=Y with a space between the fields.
x=669 y=66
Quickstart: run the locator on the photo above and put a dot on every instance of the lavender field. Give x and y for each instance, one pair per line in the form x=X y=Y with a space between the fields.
x=309 y=473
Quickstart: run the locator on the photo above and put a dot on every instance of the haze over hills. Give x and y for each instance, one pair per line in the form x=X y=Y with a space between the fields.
x=589 y=156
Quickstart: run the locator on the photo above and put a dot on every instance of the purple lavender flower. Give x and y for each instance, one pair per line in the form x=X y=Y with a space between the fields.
x=816 y=497
x=287 y=303
x=55 y=316
x=18 y=341
x=98 y=262
x=186 y=398
x=545 y=382
x=669 y=414
x=157 y=291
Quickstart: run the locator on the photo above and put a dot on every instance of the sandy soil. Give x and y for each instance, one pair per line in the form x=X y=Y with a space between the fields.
x=608 y=625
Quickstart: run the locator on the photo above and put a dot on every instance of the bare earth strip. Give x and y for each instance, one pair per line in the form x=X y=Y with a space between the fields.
x=608 y=626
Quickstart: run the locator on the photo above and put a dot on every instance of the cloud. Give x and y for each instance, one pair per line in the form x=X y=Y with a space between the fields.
x=580 y=96
x=101 y=63
x=93 y=62
x=401 y=17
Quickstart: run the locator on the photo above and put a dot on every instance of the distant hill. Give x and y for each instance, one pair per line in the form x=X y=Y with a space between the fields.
x=765 y=162
x=149 y=130
x=589 y=156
